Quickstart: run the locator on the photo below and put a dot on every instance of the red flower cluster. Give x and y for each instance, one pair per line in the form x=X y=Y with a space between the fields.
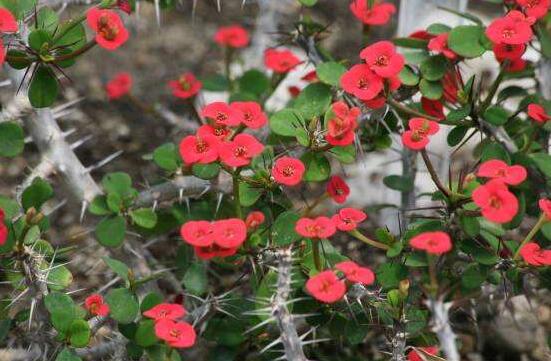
x=212 y=140
x=538 y=113
x=214 y=239
x=8 y=24
x=545 y=206
x=3 y=228
x=175 y=333
x=186 y=86
x=347 y=219
x=535 y=8
x=337 y=189
x=513 y=29
x=326 y=286
x=378 y=14
x=417 y=137
x=119 y=86
x=367 y=81
x=432 y=242
x=96 y=305
x=288 y=171
x=414 y=355
x=496 y=202
x=234 y=36
x=342 y=124
x=534 y=255
x=498 y=169
x=280 y=61
x=109 y=28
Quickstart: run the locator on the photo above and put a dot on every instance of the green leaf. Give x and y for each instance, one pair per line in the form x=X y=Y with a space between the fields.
x=286 y=122
x=314 y=100
x=389 y=275
x=496 y=115
x=466 y=41
x=437 y=29
x=195 y=280
x=283 y=229
x=62 y=310
x=494 y=151
x=308 y=2
x=145 y=334
x=67 y=355
x=346 y=155
x=248 y=195
x=470 y=225
x=456 y=135
x=456 y=115
x=330 y=73
x=410 y=43
x=47 y=19
x=205 y=171
x=408 y=76
x=36 y=194
x=473 y=277
x=122 y=305
x=73 y=38
x=119 y=183
x=12 y=139
x=166 y=156
x=39 y=38
x=110 y=231
x=317 y=166
x=543 y=162
x=216 y=83
x=144 y=217
x=99 y=206
x=434 y=68
x=254 y=82
x=9 y=206
x=546 y=230
x=79 y=333
x=431 y=89
x=120 y=268
x=151 y=300
x=43 y=89
x=399 y=183
x=59 y=278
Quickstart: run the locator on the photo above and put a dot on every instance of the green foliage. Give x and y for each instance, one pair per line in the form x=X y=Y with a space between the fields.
x=12 y=139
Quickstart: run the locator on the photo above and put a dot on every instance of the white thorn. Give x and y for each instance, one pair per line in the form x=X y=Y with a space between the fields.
x=80 y=142
x=104 y=162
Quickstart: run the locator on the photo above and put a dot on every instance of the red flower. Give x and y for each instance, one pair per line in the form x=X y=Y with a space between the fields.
x=355 y=273
x=434 y=108
x=240 y=151
x=414 y=355
x=96 y=306
x=229 y=233
x=197 y=233
x=124 y=5
x=498 y=169
x=294 y=91
x=347 y=219
x=537 y=112
x=534 y=255
x=512 y=29
x=2 y=52
x=432 y=242
x=417 y=137
x=220 y=132
x=341 y=127
x=280 y=61
x=254 y=219
x=3 y=233
x=439 y=45
x=535 y=8
x=234 y=36
x=222 y=114
x=326 y=287
x=362 y=82
x=545 y=206
x=452 y=82
x=199 y=149
x=496 y=202
x=516 y=65
x=213 y=251
x=186 y=86
x=288 y=171
x=378 y=14
x=376 y=103
x=109 y=28
x=8 y=24
x=421 y=35
x=337 y=189
x=119 y=86
x=166 y=311
x=311 y=77
x=175 y=334
x=320 y=227
x=508 y=51
x=382 y=58
x=250 y=114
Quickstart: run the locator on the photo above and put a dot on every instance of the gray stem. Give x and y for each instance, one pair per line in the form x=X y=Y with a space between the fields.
x=441 y=326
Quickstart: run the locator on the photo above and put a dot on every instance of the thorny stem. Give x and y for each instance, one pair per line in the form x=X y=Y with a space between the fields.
x=236 y=199
x=541 y=221
x=486 y=103
x=405 y=109
x=357 y=234
x=89 y=45
x=432 y=274
x=316 y=203
x=316 y=254
x=434 y=175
